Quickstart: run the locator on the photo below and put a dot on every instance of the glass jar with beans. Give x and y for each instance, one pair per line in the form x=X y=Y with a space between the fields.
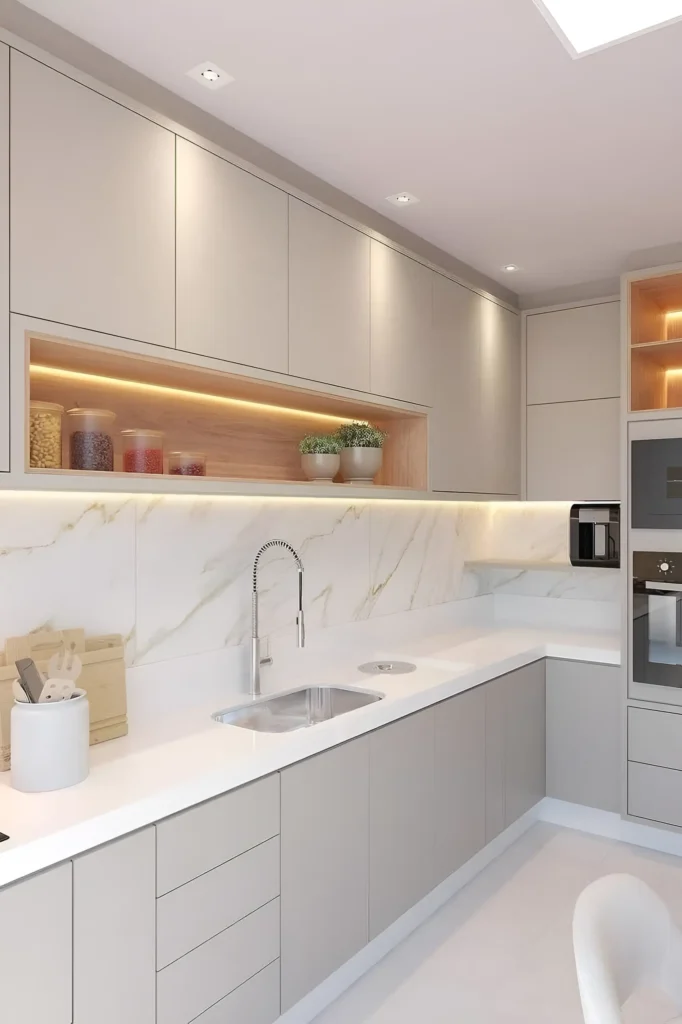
x=187 y=464
x=91 y=445
x=45 y=435
x=142 y=451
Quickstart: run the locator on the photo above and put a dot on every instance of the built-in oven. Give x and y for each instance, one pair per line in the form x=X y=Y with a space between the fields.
x=656 y=473
x=657 y=619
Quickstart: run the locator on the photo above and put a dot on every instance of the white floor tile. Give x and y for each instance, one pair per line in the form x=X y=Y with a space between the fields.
x=500 y=951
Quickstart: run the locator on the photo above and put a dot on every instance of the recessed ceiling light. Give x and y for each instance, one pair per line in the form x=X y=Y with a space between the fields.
x=402 y=199
x=210 y=75
x=510 y=268
x=587 y=25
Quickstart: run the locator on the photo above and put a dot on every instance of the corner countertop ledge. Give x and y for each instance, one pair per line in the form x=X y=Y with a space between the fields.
x=136 y=781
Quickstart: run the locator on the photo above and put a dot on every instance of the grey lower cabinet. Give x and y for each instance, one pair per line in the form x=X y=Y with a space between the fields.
x=402 y=810
x=515 y=724
x=584 y=729
x=324 y=866
x=114 y=926
x=460 y=762
x=35 y=949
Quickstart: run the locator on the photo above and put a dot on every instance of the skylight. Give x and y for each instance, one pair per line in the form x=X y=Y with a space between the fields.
x=588 y=25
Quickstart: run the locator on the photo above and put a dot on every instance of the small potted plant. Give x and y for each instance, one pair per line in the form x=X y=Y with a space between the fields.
x=361 y=452
x=320 y=459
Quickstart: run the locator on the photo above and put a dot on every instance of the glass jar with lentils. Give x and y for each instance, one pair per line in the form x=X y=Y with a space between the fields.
x=45 y=435
x=91 y=445
x=142 y=451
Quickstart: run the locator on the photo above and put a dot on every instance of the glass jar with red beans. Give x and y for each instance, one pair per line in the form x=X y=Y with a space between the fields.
x=187 y=464
x=142 y=451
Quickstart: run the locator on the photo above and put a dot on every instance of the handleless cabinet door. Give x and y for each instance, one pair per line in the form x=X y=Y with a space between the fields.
x=402 y=817
x=401 y=326
x=500 y=428
x=573 y=354
x=328 y=299
x=35 y=949
x=525 y=763
x=232 y=257
x=325 y=864
x=92 y=209
x=573 y=451
x=114 y=922
x=460 y=780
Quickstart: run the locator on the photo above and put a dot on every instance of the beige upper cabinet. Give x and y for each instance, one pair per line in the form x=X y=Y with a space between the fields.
x=92 y=209
x=573 y=354
x=401 y=326
x=475 y=427
x=328 y=299
x=232 y=255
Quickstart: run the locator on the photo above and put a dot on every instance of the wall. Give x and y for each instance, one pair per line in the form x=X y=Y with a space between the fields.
x=173 y=574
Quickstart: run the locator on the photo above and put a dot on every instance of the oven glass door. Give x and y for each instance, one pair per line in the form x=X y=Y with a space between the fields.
x=657 y=633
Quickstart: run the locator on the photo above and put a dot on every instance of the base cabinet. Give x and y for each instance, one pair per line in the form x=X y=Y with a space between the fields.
x=114 y=919
x=402 y=817
x=584 y=726
x=35 y=949
x=460 y=781
x=515 y=746
x=324 y=867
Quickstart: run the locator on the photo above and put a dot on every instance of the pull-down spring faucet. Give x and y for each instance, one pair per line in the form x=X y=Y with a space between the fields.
x=300 y=624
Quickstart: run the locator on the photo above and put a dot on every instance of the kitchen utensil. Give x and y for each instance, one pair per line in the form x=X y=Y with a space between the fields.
x=57 y=689
x=19 y=692
x=50 y=744
x=65 y=664
x=30 y=679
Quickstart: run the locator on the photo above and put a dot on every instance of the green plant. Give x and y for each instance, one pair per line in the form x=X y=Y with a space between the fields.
x=360 y=435
x=320 y=444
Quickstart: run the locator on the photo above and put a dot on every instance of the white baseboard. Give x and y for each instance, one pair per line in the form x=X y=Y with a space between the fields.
x=336 y=984
x=609 y=825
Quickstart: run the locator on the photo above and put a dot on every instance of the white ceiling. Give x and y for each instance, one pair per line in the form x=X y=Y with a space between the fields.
x=517 y=152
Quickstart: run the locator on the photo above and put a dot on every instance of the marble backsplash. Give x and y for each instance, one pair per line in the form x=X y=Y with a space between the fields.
x=173 y=574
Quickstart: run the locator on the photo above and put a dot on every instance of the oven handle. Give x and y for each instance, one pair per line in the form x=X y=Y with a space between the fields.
x=672 y=587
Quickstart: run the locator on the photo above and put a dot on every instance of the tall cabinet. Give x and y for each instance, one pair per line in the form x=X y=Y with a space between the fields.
x=573 y=403
x=475 y=440
x=4 y=258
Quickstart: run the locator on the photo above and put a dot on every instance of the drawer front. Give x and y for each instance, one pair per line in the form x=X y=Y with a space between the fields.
x=655 y=793
x=200 y=839
x=655 y=737
x=195 y=912
x=254 y=1002
x=194 y=983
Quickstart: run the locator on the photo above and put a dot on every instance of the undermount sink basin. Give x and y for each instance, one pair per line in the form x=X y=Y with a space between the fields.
x=296 y=709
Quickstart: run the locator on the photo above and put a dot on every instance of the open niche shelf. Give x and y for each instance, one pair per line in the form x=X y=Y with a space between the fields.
x=656 y=343
x=247 y=428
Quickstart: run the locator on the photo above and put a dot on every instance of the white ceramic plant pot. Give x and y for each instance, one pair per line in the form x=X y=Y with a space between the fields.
x=361 y=465
x=320 y=466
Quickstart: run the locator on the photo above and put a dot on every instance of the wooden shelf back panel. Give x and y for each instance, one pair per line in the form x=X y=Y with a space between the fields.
x=255 y=441
x=656 y=377
x=653 y=305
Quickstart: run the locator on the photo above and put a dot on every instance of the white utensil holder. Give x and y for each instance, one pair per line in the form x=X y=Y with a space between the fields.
x=50 y=744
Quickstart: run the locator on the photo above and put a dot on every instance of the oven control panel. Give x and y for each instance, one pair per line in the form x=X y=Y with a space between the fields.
x=657 y=565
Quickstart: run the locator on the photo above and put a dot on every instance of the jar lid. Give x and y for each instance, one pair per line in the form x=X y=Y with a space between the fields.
x=92 y=412
x=141 y=432
x=47 y=406
x=187 y=455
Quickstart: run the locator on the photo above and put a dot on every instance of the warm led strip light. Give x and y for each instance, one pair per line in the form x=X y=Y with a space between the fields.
x=50 y=371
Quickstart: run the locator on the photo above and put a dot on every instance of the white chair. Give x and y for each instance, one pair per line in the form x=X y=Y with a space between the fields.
x=623 y=938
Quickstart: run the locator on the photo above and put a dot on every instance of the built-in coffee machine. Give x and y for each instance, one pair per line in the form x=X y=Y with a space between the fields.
x=595 y=535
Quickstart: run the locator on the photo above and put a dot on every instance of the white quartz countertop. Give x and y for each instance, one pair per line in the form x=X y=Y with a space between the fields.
x=142 y=778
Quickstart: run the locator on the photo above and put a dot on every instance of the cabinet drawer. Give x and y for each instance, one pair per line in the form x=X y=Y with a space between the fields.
x=190 y=915
x=200 y=839
x=194 y=983
x=655 y=737
x=254 y=1002
x=655 y=793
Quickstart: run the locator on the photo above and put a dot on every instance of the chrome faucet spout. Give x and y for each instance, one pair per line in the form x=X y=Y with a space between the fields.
x=300 y=621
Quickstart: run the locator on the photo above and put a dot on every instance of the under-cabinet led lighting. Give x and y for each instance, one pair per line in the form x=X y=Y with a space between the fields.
x=94 y=378
x=675 y=312
x=587 y=25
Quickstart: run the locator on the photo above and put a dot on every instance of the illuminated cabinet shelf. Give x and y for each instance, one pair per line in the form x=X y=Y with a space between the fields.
x=656 y=343
x=248 y=428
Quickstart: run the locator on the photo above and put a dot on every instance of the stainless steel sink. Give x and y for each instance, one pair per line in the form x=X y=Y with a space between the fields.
x=296 y=709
